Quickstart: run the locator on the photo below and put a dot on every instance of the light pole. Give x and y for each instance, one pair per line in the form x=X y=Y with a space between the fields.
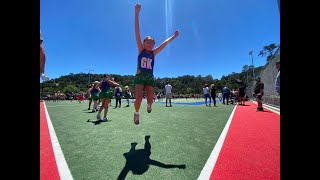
x=250 y=53
x=89 y=75
x=247 y=77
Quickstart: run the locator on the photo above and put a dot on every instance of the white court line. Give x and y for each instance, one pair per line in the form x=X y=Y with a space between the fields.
x=63 y=168
x=271 y=108
x=62 y=105
x=211 y=162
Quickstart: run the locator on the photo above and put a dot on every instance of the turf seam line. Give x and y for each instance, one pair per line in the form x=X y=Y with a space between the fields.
x=208 y=167
x=62 y=165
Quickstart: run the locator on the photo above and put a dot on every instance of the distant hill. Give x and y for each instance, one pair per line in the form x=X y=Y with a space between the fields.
x=187 y=84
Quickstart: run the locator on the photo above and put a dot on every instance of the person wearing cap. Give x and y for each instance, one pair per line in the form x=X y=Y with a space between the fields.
x=206 y=94
x=277 y=82
x=168 y=93
x=258 y=92
x=127 y=94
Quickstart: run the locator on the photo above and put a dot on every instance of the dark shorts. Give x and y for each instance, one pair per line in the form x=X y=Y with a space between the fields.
x=106 y=94
x=94 y=97
x=144 y=79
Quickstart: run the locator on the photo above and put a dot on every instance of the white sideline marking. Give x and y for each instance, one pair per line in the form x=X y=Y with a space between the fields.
x=63 y=168
x=271 y=108
x=208 y=167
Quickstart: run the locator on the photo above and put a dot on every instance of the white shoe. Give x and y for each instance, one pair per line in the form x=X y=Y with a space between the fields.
x=136 y=117
x=149 y=109
x=105 y=119
x=98 y=116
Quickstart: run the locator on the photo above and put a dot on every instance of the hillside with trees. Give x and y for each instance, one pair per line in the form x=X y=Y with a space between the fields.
x=185 y=85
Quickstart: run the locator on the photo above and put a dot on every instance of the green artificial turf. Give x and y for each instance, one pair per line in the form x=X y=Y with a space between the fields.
x=179 y=135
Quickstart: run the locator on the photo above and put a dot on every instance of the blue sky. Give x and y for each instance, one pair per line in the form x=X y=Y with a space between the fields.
x=215 y=35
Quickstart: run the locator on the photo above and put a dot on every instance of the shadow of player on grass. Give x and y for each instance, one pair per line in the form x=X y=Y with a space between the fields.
x=138 y=161
x=97 y=122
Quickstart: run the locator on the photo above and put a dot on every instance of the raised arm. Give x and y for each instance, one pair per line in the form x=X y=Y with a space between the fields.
x=113 y=83
x=42 y=56
x=167 y=41
x=89 y=91
x=136 y=26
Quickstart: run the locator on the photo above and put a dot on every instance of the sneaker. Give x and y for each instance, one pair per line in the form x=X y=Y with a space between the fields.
x=136 y=117
x=93 y=110
x=98 y=116
x=88 y=108
x=149 y=109
x=105 y=119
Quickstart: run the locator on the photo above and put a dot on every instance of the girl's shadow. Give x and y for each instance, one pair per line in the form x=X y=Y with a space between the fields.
x=138 y=161
x=97 y=122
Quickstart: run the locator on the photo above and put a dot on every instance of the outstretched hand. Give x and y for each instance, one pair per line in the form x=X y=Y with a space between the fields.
x=176 y=34
x=44 y=77
x=137 y=8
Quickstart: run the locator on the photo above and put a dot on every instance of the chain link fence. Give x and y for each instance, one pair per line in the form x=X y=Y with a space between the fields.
x=268 y=77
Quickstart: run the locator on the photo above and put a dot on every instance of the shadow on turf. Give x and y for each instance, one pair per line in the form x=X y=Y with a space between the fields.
x=138 y=160
x=90 y=112
x=243 y=105
x=97 y=122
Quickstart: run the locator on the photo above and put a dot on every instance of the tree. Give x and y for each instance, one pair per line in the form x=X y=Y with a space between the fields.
x=189 y=90
x=187 y=84
x=70 y=88
x=268 y=50
x=245 y=68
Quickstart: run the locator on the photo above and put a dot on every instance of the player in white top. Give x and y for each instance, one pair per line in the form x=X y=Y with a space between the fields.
x=206 y=94
x=168 y=93
x=220 y=97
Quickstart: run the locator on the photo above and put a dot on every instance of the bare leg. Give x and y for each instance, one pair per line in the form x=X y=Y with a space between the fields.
x=90 y=101
x=138 y=96
x=106 y=107
x=103 y=105
x=149 y=90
